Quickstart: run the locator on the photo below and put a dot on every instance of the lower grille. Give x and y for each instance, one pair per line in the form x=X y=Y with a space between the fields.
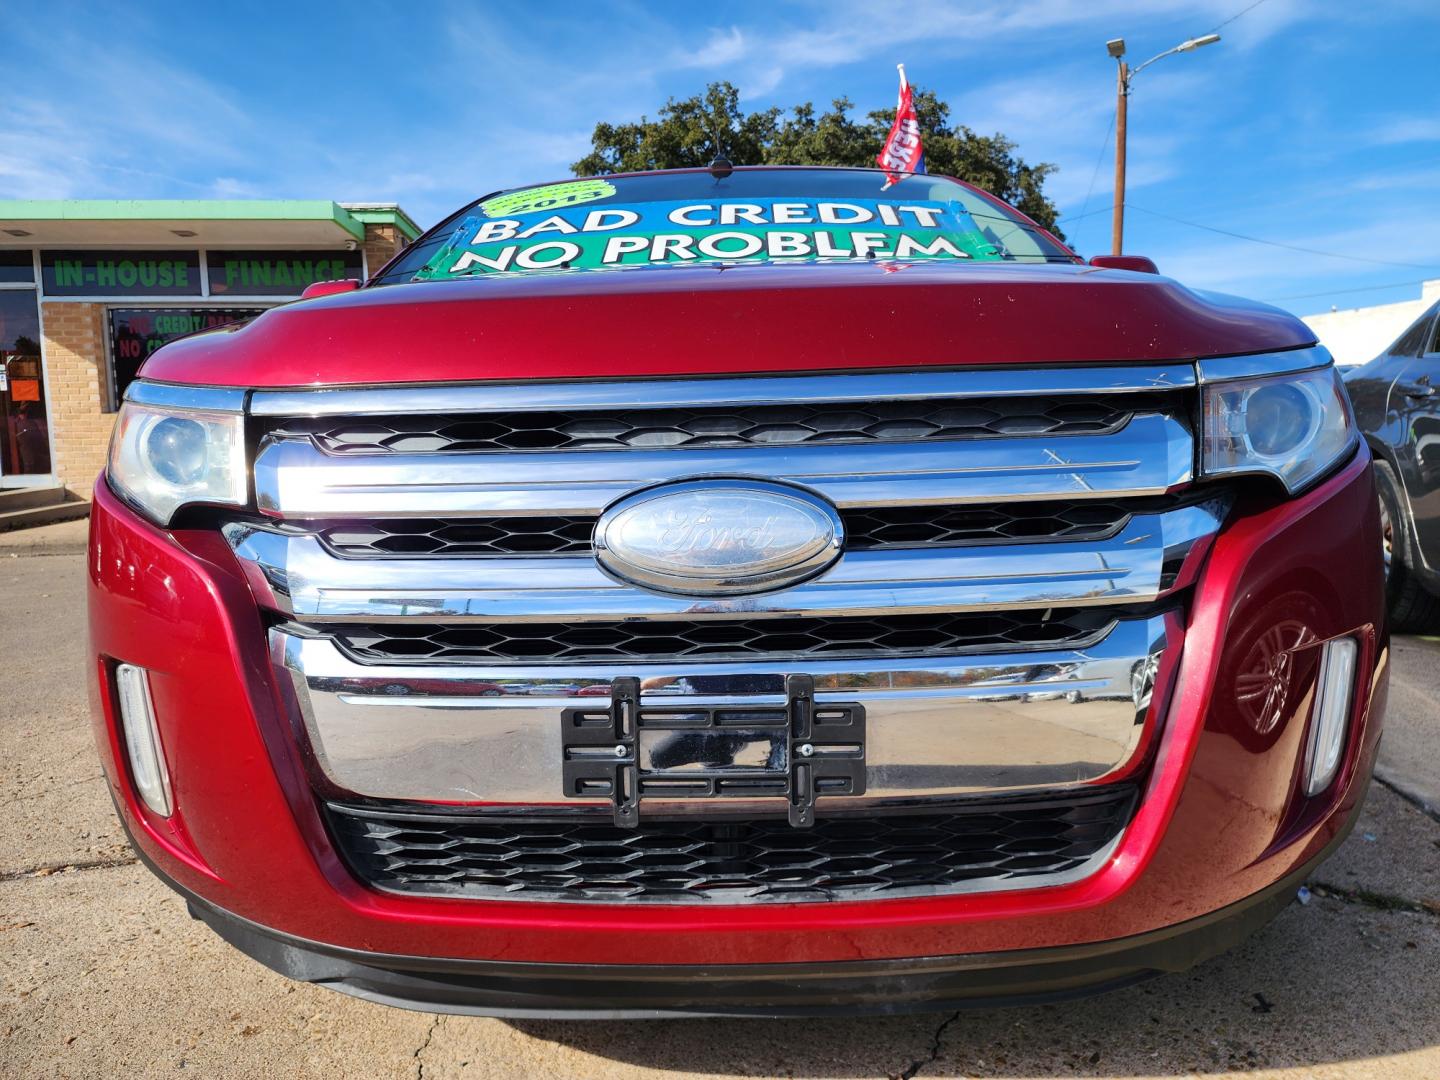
x=984 y=845
x=718 y=639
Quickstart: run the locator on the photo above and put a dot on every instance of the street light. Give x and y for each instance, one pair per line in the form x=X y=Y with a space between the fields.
x=1116 y=48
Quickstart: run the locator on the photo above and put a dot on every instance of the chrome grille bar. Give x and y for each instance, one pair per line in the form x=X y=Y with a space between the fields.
x=295 y=573
x=936 y=726
x=748 y=390
x=1151 y=455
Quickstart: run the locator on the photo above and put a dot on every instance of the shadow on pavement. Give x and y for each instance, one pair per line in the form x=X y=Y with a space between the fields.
x=1327 y=982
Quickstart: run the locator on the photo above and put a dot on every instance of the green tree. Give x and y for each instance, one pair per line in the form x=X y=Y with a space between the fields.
x=689 y=132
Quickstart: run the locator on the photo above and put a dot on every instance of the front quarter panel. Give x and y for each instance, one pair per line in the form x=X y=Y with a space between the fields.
x=1369 y=390
x=1417 y=449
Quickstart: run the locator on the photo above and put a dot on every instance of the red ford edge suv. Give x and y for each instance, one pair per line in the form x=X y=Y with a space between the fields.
x=753 y=591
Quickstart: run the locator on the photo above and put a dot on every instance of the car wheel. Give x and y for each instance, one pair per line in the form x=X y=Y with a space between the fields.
x=1412 y=606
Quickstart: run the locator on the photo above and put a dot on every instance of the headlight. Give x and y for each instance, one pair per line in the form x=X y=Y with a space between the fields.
x=163 y=458
x=1294 y=427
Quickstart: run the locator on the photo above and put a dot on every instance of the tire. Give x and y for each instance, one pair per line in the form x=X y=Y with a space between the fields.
x=1413 y=608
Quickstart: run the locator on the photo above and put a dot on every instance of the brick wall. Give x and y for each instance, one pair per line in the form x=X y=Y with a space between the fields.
x=381 y=244
x=76 y=379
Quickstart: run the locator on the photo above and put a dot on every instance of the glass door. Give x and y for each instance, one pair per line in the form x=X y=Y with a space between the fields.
x=24 y=430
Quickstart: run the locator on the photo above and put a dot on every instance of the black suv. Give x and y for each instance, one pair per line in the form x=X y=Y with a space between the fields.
x=1397 y=404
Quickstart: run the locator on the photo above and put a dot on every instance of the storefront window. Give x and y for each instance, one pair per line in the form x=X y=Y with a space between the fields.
x=24 y=433
x=135 y=333
x=17 y=266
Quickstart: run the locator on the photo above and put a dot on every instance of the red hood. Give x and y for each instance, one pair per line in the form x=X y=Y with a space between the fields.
x=689 y=321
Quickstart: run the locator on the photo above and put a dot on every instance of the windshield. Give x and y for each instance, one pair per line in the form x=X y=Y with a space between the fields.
x=695 y=218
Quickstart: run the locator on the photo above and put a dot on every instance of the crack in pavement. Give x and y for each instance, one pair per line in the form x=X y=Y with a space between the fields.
x=55 y=787
x=913 y=1069
x=62 y=867
x=429 y=1034
x=1420 y=804
x=1377 y=900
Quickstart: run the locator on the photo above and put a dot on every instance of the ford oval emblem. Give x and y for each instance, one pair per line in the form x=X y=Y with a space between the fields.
x=718 y=537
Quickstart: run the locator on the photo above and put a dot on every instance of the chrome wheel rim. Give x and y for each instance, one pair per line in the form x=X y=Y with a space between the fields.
x=1387 y=537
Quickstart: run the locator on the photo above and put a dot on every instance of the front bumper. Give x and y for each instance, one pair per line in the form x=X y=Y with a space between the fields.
x=653 y=991
x=1221 y=816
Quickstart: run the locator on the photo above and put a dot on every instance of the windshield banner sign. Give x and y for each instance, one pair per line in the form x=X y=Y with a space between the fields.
x=721 y=231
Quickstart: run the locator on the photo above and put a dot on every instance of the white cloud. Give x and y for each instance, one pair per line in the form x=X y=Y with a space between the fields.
x=1406 y=129
x=1425 y=180
x=855 y=30
x=228 y=187
x=761 y=82
x=724 y=47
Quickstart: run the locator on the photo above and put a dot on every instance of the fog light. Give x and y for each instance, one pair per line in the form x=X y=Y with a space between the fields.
x=142 y=738
x=1334 y=689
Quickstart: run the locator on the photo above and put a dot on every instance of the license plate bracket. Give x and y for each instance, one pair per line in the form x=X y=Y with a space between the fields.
x=637 y=749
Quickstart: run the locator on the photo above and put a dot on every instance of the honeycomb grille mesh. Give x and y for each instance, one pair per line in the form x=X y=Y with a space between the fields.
x=889 y=527
x=996 y=523
x=718 y=639
x=719 y=426
x=1003 y=843
x=461 y=537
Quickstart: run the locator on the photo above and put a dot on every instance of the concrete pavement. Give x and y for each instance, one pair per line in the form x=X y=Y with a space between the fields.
x=102 y=972
x=63 y=538
x=1410 y=752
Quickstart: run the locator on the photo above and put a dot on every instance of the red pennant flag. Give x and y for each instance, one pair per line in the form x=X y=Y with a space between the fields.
x=902 y=152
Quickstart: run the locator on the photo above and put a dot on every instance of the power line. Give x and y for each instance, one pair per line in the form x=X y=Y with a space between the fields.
x=1077 y=217
x=1343 y=292
x=1278 y=244
x=1232 y=18
x=1095 y=175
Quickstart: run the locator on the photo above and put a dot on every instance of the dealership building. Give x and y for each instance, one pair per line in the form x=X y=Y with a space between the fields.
x=89 y=289
x=1358 y=335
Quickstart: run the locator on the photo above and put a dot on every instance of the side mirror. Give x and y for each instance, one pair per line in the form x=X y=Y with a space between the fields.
x=329 y=288
x=1138 y=263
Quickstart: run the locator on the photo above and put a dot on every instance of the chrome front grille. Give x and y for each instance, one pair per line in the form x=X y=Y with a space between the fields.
x=1005 y=610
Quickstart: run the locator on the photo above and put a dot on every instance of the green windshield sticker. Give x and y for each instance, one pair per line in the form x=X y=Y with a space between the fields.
x=722 y=231
x=550 y=197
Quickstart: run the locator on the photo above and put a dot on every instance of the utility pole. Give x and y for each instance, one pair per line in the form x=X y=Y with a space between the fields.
x=1122 y=105
x=1124 y=77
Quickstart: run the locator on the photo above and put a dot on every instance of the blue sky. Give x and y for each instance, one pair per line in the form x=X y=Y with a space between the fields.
x=1315 y=123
